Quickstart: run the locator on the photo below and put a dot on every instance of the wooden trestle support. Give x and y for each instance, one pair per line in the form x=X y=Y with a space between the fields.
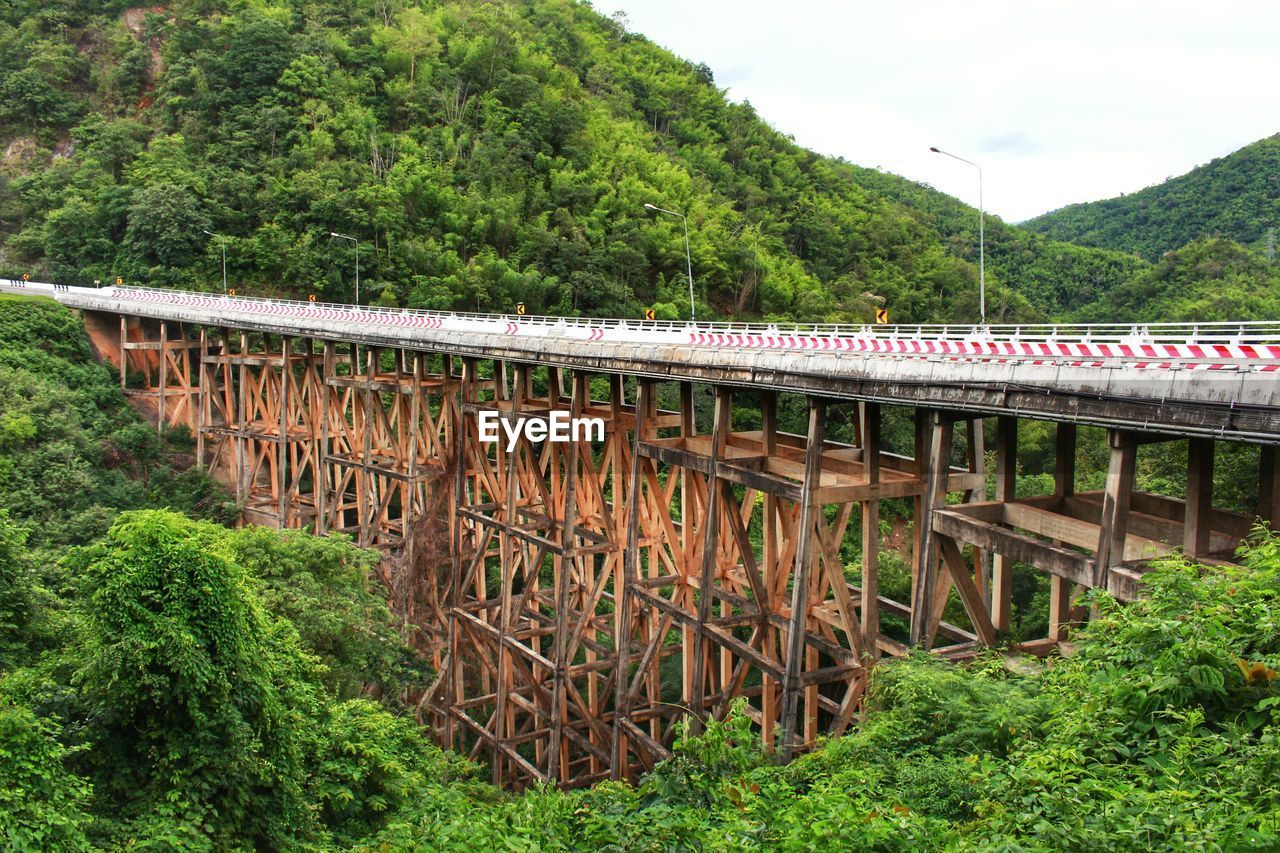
x=580 y=599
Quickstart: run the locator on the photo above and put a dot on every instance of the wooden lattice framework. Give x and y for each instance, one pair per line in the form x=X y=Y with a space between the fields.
x=155 y=364
x=578 y=600
x=259 y=422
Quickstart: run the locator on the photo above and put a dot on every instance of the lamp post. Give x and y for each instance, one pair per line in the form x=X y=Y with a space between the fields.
x=982 y=260
x=688 y=258
x=222 y=244
x=357 y=242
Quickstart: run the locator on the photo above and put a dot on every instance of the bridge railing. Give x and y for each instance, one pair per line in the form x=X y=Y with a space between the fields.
x=1243 y=332
x=1226 y=333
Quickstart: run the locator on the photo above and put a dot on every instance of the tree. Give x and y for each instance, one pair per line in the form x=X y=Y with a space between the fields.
x=166 y=222
x=194 y=692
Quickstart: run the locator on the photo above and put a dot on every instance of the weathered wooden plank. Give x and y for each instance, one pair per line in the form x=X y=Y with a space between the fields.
x=1018 y=547
x=1006 y=490
x=1115 y=505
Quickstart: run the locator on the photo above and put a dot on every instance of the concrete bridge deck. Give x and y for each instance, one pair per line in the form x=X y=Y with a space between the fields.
x=1217 y=380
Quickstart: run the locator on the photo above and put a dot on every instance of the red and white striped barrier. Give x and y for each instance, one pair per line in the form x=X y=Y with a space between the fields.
x=1256 y=348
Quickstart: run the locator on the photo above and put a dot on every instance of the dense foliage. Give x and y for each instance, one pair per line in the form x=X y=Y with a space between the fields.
x=1235 y=197
x=1208 y=279
x=484 y=154
x=72 y=452
x=175 y=709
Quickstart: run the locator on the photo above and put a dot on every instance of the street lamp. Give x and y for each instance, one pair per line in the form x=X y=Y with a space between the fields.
x=982 y=261
x=688 y=258
x=357 y=242
x=222 y=244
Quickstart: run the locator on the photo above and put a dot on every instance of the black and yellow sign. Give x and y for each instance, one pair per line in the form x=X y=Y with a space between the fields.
x=312 y=297
x=119 y=280
x=882 y=315
x=520 y=308
x=26 y=277
x=231 y=292
x=648 y=314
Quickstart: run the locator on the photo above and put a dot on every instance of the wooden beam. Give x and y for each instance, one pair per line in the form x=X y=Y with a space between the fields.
x=798 y=626
x=1269 y=486
x=969 y=594
x=1006 y=490
x=1115 y=505
x=1073 y=531
x=869 y=419
x=1195 y=525
x=924 y=591
x=710 y=548
x=1062 y=591
x=1017 y=546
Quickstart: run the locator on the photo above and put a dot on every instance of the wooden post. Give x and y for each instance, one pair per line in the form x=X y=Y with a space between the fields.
x=242 y=441
x=414 y=499
x=975 y=446
x=921 y=454
x=937 y=468
x=1115 y=505
x=1199 y=505
x=162 y=398
x=568 y=536
x=769 y=686
x=870 y=429
x=124 y=353
x=710 y=551
x=798 y=624
x=322 y=466
x=1061 y=590
x=688 y=536
x=202 y=407
x=1269 y=487
x=630 y=576
x=1006 y=490
x=282 y=467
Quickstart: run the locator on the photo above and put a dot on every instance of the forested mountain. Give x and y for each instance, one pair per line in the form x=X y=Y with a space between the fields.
x=483 y=152
x=170 y=683
x=1236 y=197
x=1056 y=277
x=1206 y=280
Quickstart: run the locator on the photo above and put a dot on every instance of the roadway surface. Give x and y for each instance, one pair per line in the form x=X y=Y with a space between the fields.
x=1220 y=379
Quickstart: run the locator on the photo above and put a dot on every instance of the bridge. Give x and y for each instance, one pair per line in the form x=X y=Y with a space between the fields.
x=578 y=599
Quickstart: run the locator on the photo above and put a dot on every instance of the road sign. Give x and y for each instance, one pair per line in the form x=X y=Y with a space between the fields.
x=648 y=314
x=119 y=280
x=26 y=277
x=231 y=292
x=882 y=315
x=520 y=308
x=312 y=297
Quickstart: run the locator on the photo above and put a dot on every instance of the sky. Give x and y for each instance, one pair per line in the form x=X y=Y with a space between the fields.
x=1059 y=102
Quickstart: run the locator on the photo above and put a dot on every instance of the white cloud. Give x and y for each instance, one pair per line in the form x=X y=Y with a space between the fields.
x=1060 y=101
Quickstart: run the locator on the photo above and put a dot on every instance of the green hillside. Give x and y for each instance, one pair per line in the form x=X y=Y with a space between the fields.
x=1208 y=279
x=1236 y=197
x=484 y=153
x=1057 y=277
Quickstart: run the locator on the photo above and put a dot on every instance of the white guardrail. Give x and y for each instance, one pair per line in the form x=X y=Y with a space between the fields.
x=1213 y=345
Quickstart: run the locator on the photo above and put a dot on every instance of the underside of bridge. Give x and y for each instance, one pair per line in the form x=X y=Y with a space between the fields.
x=579 y=600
